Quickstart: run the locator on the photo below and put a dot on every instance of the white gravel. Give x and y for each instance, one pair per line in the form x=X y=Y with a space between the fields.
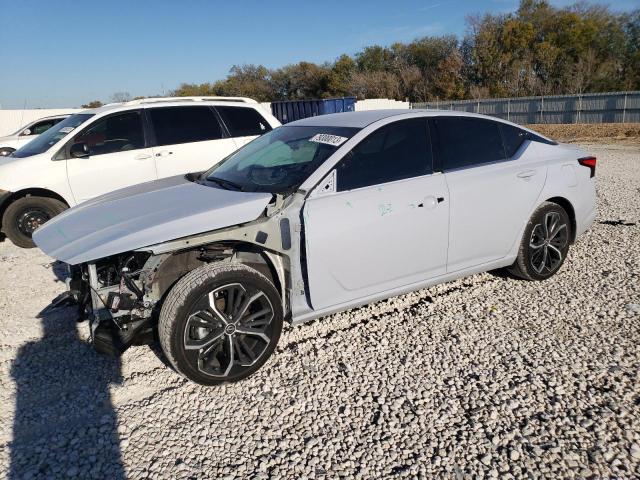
x=484 y=376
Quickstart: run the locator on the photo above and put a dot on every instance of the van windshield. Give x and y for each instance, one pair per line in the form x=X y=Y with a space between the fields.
x=49 y=138
x=278 y=161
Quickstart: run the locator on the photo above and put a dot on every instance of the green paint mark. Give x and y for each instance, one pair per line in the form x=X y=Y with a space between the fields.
x=385 y=209
x=349 y=205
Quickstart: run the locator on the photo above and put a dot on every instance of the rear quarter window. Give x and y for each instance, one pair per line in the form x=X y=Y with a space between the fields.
x=513 y=138
x=243 y=121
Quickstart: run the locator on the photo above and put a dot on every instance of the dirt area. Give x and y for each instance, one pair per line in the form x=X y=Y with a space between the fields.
x=618 y=133
x=484 y=377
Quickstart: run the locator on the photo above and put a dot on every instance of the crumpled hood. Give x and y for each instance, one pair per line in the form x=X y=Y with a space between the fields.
x=144 y=215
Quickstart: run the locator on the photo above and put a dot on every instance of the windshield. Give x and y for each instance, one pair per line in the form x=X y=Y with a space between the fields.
x=49 y=138
x=279 y=161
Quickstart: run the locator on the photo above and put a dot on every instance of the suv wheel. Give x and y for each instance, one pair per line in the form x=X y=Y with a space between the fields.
x=220 y=323
x=545 y=243
x=24 y=215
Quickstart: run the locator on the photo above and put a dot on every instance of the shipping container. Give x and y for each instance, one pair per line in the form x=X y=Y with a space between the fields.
x=291 y=110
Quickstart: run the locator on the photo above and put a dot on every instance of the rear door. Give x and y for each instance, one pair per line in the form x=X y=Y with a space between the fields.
x=385 y=225
x=244 y=123
x=187 y=139
x=118 y=156
x=493 y=189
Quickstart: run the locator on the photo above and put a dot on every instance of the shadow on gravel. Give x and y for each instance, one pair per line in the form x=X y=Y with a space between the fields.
x=65 y=424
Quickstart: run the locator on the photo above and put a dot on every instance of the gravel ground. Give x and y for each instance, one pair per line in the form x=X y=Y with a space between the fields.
x=485 y=376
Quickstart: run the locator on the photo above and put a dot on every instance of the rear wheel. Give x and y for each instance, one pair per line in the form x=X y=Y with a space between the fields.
x=220 y=323
x=545 y=243
x=24 y=215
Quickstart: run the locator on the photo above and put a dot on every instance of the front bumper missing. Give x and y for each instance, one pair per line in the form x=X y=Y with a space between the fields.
x=114 y=331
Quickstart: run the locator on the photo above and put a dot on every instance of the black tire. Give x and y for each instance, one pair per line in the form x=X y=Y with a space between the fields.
x=25 y=214
x=6 y=151
x=194 y=326
x=545 y=243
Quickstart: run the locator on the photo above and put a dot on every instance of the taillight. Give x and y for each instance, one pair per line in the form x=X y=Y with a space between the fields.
x=589 y=162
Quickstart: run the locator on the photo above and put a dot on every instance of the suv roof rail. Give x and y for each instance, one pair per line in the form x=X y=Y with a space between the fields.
x=189 y=99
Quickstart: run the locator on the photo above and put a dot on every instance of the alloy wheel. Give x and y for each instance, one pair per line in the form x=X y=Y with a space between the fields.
x=228 y=330
x=547 y=243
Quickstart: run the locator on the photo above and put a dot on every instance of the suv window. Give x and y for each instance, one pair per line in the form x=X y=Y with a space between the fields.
x=394 y=152
x=115 y=133
x=175 y=125
x=243 y=121
x=465 y=142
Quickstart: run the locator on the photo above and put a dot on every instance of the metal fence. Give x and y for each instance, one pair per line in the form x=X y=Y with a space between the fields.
x=614 y=107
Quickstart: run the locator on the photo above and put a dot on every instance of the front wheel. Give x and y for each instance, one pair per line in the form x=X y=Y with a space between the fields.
x=545 y=243
x=220 y=323
x=23 y=216
x=6 y=151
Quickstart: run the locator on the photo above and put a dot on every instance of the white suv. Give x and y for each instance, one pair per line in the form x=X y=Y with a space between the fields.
x=11 y=143
x=118 y=145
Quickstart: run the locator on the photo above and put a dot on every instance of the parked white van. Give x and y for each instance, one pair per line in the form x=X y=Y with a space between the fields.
x=99 y=150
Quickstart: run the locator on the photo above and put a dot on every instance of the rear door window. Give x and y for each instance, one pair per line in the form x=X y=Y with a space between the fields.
x=394 y=152
x=243 y=121
x=175 y=125
x=466 y=142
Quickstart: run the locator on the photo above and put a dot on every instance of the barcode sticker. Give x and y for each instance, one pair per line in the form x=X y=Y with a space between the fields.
x=329 y=139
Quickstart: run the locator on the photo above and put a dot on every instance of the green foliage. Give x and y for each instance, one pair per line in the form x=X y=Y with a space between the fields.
x=539 y=49
x=94 y=104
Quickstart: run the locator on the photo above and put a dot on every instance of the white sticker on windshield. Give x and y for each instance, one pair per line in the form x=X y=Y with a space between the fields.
x=334 y=140
x=66 y=129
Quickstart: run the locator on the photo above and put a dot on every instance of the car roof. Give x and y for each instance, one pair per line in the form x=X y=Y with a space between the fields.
x=173 y=102
x=364 y=118
x=49 y=117
x=349 y=119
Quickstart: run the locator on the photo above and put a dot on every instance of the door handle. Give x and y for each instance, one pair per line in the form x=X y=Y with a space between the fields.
x=526 y=174
x=430 y=202
x=164 y=153
x=142 y=156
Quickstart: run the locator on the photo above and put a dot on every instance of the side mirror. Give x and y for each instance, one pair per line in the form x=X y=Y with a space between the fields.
x=26 y=133
x=79 y=150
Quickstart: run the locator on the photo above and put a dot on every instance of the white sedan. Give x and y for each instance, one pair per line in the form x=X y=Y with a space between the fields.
x=318 y=216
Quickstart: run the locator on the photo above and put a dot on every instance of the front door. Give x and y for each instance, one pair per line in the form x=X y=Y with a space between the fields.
x=385 y=226
x=117 y=156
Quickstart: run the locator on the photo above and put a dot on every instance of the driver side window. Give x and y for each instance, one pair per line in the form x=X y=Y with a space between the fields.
x=395 y=151
x=115 y=133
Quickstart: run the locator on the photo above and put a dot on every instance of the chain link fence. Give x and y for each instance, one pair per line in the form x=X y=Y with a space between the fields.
x=614 y=107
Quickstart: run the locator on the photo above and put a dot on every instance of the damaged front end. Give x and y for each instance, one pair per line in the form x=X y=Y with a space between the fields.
x=110 y=294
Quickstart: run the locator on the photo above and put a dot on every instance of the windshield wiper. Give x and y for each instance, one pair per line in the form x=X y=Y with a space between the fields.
x=225 y=183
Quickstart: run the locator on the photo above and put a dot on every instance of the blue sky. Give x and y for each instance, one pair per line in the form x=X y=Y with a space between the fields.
x=63 y=53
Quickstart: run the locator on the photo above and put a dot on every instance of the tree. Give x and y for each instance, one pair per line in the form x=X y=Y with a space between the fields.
x=247 y=81
x=120 y=97
x=93 y=104
x=339 y=78
x=538 y=49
